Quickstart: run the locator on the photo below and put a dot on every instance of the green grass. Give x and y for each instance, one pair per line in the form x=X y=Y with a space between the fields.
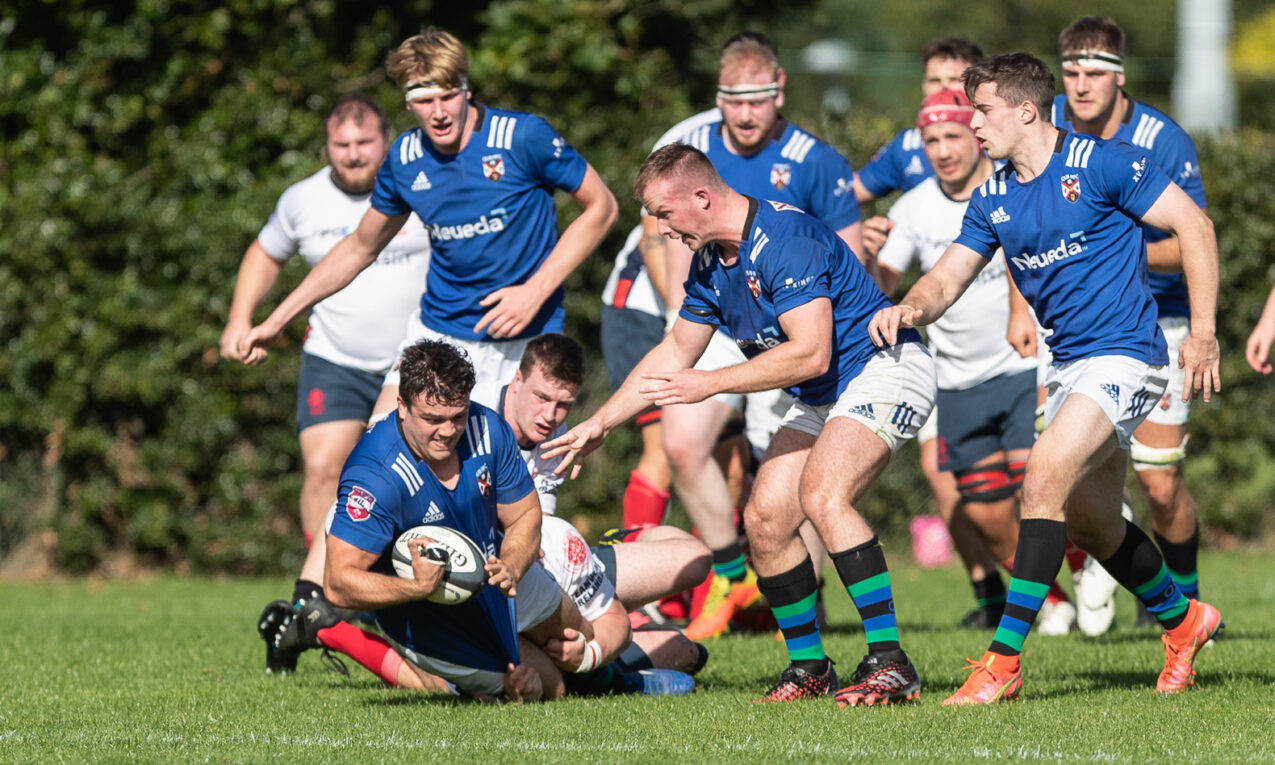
x=171 y=669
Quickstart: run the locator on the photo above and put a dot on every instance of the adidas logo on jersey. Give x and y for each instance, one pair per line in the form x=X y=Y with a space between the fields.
x=999 y=215
x=434 y=515
x=421 y=183
x=914 y=167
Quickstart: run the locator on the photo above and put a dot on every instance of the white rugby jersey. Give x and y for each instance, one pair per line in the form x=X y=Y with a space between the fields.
x=969 y=339
x=541 y=469
x=572 y=564
x=362 y=325
x=629 y=285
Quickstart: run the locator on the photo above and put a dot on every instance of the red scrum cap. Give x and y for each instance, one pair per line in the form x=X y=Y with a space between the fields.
x=945 y=106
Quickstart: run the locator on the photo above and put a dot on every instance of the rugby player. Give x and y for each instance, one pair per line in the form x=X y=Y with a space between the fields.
x=1094 y=103
x=797 y=300
x=482 y=180
x=352 y=337
x=758 y=153
x=1071 y=207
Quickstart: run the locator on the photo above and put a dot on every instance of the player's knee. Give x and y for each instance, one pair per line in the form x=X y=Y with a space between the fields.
x=323 y=468
x=821 y=506
x=687 y=452
x=762 y=523
x=986 y=483
x=698 y=564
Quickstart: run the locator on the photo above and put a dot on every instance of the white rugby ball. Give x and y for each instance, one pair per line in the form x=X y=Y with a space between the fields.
x=463 y=573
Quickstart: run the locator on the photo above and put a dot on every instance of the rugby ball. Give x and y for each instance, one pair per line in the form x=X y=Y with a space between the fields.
x=463 y=562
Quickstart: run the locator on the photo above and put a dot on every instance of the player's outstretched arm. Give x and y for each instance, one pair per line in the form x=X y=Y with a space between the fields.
x=348 y=582
x=1177 y=213
x=521 y=546
x=257 y=274
x=679 y=349
x=932 y=294
x=338 y=268
x=1258 y=348
x=512 y=308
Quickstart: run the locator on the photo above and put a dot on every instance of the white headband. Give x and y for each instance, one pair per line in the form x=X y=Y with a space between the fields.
x=415 y=90
x=1094 y=59
x=740 y=92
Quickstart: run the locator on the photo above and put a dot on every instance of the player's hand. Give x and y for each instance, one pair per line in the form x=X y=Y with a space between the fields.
x=255 y=345
x=574 y=445
x=883 y=328
x=522 y=683
x=230 y=338
x=427 y=572
x=1258 y=349
x=511 y=310
x=685 y=386
x=501 y=575
x=1199 y=357
x=1021 y=333
x=567 y=652
x=875 y=231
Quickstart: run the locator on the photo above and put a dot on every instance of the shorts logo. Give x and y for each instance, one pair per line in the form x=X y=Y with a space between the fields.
x=780 y=175
x=1071 y=187
x=577 y=553
x=314 y=400
x=1111 y=390
x=904 y=417
x=1139 y=403
x=863 y=410
x=754 y=285
x=494 y=166
x=1166 y=401
x=359 y=504
x=483 y=475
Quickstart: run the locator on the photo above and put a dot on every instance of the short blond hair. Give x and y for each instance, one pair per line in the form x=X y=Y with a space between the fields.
x=753 y=47
x=680 y=161
x=434 y=56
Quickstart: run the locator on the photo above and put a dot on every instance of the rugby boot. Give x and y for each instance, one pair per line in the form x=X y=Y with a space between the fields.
x=995 y=678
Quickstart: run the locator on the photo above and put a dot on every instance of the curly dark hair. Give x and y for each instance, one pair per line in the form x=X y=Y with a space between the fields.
x=439 y=371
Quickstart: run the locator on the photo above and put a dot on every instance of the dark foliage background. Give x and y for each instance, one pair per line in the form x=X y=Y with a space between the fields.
x=144 y=144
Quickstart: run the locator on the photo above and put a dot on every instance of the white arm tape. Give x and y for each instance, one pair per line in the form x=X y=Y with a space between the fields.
x=592 y=655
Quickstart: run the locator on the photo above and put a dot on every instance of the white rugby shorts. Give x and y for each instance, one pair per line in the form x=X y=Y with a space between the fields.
x=892 y=396
x=494 y=361
x=1125 y=388
x=1171 y=409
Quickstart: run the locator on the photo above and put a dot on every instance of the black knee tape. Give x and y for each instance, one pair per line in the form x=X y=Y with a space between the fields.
x=988 y=483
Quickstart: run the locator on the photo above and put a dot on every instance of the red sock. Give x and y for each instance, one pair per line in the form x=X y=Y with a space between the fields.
x=644 y=502
x=1056 y=594
x=700 y=594
x=1075 y=557
x=371 y=651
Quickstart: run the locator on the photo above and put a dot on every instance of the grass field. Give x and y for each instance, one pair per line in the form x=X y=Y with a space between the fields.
x=171 y=670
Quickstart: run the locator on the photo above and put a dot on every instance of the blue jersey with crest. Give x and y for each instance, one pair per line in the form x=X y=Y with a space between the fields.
x=1173 y=151
x=788 y=259
x=489 y=211
x=1073 y=245
x=900 y=165
x=795 y=168
x=385 y=491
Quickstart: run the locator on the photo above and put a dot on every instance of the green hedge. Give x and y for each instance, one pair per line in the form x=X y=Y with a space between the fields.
x=143 y=148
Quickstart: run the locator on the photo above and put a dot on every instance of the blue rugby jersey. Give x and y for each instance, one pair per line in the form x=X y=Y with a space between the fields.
x=787 y=259
x=1073 y=245
x=385 y=490
x=489 y=211
x=900 y=165
x=795 y=168
x=1173 y=151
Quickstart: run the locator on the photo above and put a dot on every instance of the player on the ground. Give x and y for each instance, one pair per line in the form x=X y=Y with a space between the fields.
x=482 y=180
x=796 y=300
x=902 y=164
x=986 y=392
x=1258 y=347
x=758 y=153
x=352 y=338
x=1066 y=210
x=1092 y=50
x=634 y=310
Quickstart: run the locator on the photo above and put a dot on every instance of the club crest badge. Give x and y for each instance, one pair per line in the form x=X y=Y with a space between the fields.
x=780 y=175
x=1071 y=187
x=494 y=166
x=483 y=477
x=754 y=285
x=359 y=504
